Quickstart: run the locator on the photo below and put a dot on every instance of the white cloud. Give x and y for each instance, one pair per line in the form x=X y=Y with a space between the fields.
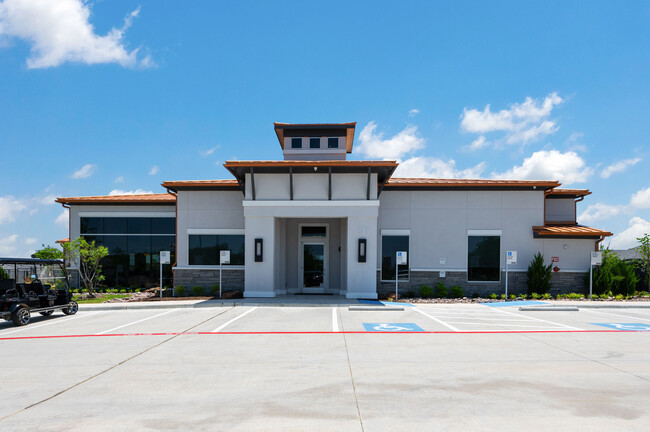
x=436 y=168
x=641 y=199
x=59 y=31
x=119 y=179
x=372 y=145
x=627 y=239
x=619 y=166
x=550 y=165
x=8 y=245
x=62 y=219
x=414 y=112
x=131 y=192
x=574 y=137
x=9 y=208
x=30 y=241
x=600 y=211
x=522 y=123
x=47 y=200
x=154 y=170
x=84 y=172
x=478 y=144
x=208 y=152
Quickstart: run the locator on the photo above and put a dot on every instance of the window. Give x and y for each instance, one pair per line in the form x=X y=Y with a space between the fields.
x=332 y=143
x=296 y=143
x=314 y=142
x=204 y=249
x=390 y=245
x=483 y=254
x=313 y=231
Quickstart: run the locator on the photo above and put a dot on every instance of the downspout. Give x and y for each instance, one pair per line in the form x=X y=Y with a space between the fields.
x=596 y=245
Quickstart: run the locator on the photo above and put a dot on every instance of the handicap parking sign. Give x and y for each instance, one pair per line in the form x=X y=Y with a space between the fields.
x=392 y=327
x=625 y=326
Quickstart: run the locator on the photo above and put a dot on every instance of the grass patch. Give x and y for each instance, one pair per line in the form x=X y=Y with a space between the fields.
x=101 y=299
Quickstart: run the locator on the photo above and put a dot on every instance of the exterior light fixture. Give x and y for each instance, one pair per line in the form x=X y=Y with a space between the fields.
x=259 y=250
x=362 y=250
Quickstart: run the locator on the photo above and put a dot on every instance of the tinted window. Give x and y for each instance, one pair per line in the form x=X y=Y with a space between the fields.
x=163 y=225
x=204 y=249
x=390 y=245
x=138 y=225
x=91 y=225
x=313 y=231
x=332 y=143
x=314 y=142
x=114 y=225
x=483 y=258
x=296 y=143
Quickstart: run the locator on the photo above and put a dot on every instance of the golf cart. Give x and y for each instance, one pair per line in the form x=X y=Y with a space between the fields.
x=34 y=285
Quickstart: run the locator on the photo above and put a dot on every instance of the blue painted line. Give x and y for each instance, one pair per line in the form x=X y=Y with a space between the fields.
x=514 y=303
x=384 y=303
x=392 y=327
x=625 y=326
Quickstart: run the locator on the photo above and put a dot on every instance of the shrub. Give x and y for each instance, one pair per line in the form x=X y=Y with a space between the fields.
x=214 y=290
x=535 y=296
x=494 y=296
x=512 y=297
x=197 y=291
x=502 y=296
x=441 y=290
x=4 y=274
x=426 y=291
x=546 y=296
x=619 y=297
x=456 y=292
x=180 y=291
x=539 y=275
x=614 y=274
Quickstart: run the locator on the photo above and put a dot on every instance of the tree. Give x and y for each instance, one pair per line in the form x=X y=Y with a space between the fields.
x=615 y=275
x=48 y=252
x=4 y=274
x=539 y=275
x=644 y=250
x=87 y=257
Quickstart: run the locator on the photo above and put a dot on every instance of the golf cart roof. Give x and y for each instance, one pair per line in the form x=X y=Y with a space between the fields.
x=29 y=261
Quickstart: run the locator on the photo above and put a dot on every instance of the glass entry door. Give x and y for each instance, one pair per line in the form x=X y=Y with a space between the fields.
x=313 y=267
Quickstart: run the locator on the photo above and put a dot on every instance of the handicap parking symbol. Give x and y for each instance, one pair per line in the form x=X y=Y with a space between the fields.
x=625 y=326
x=392 y=327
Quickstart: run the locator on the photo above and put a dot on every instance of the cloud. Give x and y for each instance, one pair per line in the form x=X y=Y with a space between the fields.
x=478 y=144
x=62 y=219
x=154 y=170
x=131 y=192
x=550 y=165
x=59 y=31
x=47 y=200
x=600 y=211
x=619 y=166
x=414 y=112
x=627 y=239
x=436 y=168
x=373 y=145
x=641 y=199
x=522 y=123
x=208 y=152
x=8 y=245
x=30 y=241
x=9 y=208
x=119 y=179
x=84 y=172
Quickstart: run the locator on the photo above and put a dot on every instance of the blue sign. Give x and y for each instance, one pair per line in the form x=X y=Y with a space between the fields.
x=625 y=326
x=392 y=327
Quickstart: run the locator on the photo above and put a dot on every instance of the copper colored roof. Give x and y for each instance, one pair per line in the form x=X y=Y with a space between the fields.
x=162 y=198
x=569 y=193
x=479 y=183
x=200 y=183
x=349 y=135
x=568 y=231
x=65 y=240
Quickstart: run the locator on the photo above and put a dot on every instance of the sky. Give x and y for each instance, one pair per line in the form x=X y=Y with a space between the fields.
x=111 y=97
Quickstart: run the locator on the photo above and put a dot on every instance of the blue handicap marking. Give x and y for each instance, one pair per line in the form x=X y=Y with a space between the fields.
x=392 y=327
x=625 y=326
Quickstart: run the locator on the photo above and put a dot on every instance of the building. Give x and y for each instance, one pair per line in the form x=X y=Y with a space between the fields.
x=316 y=222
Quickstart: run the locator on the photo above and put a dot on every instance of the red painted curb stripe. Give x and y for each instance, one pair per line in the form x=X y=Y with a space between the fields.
x=319 y=332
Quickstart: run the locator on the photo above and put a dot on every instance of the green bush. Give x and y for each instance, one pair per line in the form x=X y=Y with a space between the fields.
x=535 y=296
x=214 y=290
x=512 y=297
x=614 y=274
x=502 y=296
x=180 y=291
x=456 y=292
x=619 y=297
x=426 y=291
x=197 y=291
x=494 y=296
x=441 y=290
x=546 y=296
x=539 y=275
x=4 y=274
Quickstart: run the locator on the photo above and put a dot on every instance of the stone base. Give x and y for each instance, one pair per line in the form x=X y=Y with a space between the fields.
x=232 y=280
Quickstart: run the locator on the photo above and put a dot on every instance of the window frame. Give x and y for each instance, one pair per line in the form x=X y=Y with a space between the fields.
x=294 y=140
x=311 y=139
x=329 y=139
x=217 y=233
x=394 y=233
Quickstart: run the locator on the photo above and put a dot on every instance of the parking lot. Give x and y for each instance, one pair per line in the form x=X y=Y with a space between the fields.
x=250 y=368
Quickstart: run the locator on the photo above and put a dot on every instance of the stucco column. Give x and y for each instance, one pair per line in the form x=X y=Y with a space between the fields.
x=259 y=276
x=362 y=277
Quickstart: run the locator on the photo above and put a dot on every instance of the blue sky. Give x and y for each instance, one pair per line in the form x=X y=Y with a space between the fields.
x=108 y=96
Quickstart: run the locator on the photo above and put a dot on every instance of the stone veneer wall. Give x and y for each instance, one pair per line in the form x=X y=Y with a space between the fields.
x=517 y=283
x=232 y=280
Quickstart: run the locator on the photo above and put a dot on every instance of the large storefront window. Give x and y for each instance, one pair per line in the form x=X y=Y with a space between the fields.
x=483 y=254
x=204 y=249
x=134 y=246
x=390 y=245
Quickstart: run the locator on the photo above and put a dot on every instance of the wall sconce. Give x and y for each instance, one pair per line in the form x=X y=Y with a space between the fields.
x=362 y=250
x=259 y=250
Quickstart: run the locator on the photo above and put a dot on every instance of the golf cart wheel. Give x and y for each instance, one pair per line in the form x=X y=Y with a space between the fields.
x=46 y=313
x=21 y=316
x=72 y=309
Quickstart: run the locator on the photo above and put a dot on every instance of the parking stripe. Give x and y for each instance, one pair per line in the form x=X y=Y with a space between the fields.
x=55 y=321
x=224 y=325
x=450 y=327
x=135 y=322
x=536 y=319
x=614 y=315
x=335 y=320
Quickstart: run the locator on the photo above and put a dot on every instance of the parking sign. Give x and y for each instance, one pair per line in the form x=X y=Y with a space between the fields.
x=401 y=258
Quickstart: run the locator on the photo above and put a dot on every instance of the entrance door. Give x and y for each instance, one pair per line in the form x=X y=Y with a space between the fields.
x=314 y=277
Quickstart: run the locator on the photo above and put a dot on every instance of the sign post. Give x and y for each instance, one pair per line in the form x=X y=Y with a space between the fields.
x=165 y=258
x=596 y=259
x=511 y=258
x=400 y=258
x=224 y=258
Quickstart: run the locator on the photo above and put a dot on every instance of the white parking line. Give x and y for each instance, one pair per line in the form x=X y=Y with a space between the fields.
x=135 y=322
x=536 y=319
x=56 y=321
x=506 y=325
x=450 y=327
x=614 y=315
x=222 y=326
x=335 y=320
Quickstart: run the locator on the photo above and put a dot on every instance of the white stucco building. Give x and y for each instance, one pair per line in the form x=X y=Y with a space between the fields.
x=315 y=222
